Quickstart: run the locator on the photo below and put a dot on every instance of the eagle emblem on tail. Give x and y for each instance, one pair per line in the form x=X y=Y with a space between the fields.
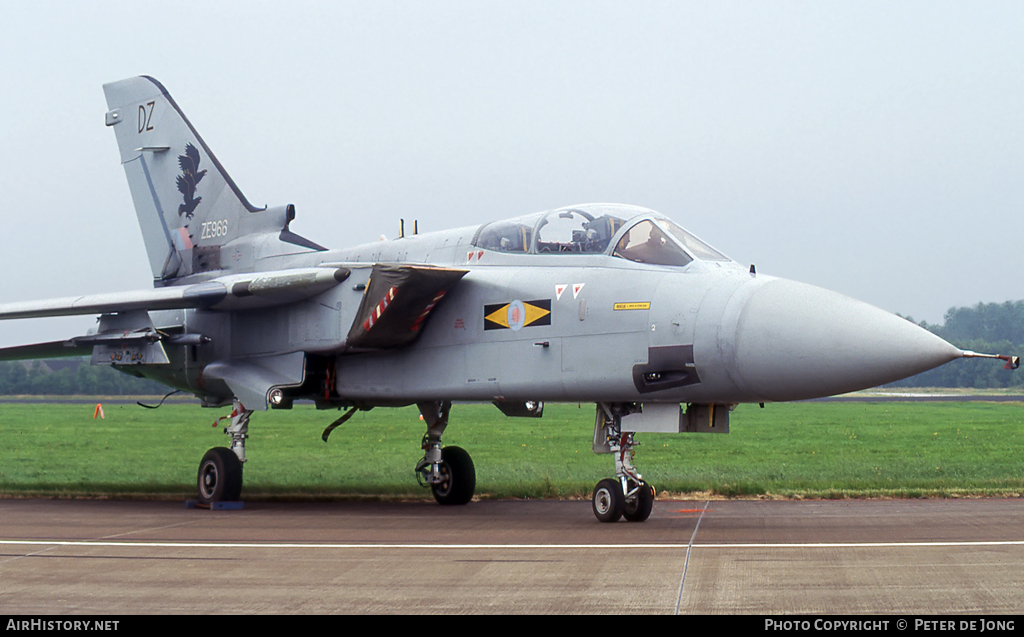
x=188 y=179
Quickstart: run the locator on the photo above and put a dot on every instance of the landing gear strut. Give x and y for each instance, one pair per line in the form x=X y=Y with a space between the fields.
x=220 y=472
x=448 y=471
x=627 y=495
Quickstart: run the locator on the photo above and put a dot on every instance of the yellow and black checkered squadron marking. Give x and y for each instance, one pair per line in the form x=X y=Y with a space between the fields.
x=497 y=316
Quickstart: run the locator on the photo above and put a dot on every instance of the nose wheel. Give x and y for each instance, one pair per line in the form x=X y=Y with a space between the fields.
x=639 y=508
x=608 y=501
x=611 y=503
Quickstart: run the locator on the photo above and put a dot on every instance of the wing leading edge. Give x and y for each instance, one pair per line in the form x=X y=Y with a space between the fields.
x=396 y=301
x=236 y=292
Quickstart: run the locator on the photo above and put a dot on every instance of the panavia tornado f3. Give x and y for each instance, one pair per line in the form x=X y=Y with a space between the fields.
x=605 y=303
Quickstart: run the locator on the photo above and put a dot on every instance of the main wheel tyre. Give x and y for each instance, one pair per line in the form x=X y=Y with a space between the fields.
x=640 y=508
x=608 y=500
x=458 y=477
x=220 y=476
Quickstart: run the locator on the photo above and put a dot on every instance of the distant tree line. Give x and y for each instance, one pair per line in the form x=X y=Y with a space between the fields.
x=71 y=376
x=990 y=328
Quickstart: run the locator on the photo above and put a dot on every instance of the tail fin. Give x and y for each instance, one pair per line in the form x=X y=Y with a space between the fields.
x=188 y=206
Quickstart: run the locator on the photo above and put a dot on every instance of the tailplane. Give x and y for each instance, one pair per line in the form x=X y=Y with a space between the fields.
x=188 y=206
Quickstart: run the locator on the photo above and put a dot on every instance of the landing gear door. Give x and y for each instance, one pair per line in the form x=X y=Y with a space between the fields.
x=671 y=418
x=663 y=418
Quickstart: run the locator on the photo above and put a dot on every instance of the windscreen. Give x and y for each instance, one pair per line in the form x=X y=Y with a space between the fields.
x=695 y=246
x=647 y=243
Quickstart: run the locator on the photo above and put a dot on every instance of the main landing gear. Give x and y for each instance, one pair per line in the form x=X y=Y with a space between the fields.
x=448 y=471
x=626 y=495
x=220 y=472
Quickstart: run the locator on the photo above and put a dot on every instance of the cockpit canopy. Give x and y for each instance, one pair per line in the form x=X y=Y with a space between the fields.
x=627 y=232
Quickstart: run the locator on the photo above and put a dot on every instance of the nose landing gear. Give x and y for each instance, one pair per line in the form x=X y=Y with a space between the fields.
x=627 y=495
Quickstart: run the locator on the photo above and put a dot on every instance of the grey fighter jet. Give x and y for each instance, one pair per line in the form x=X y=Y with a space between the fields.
x=604 y=303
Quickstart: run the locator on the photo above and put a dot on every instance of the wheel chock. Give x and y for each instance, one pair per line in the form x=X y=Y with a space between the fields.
x=214 y=506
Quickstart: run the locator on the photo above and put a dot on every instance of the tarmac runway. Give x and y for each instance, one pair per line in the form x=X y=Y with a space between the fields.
x=892 y=557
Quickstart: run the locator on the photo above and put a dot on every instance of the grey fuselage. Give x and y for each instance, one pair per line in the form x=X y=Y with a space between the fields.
x=618 y=330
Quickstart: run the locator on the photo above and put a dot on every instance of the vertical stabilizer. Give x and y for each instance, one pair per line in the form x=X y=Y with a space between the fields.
x=188 y=206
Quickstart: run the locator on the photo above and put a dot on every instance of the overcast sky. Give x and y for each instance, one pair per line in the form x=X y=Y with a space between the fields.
x=875 y=149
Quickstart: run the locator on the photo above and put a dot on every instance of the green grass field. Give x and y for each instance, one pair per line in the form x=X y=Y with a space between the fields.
x=786 y=450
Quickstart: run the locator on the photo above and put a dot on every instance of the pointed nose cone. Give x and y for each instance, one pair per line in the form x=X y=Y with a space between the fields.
x=795 y=341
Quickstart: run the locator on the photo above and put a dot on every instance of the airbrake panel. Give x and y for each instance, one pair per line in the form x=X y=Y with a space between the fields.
x=397 y=302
